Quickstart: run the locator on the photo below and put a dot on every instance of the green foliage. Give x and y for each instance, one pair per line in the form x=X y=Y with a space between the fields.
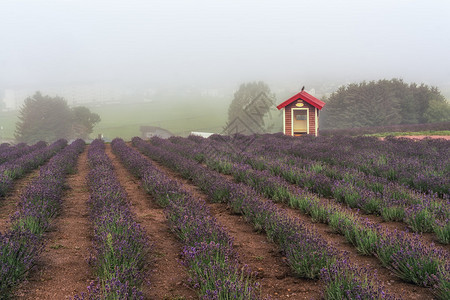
x=438 y=111
x=250 y=109
x=382 y=103
x=442 y=231
x=43 y=118
x=83 y=122
x=393 y=213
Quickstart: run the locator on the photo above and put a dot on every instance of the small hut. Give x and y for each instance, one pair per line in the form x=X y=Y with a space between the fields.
x=301 y=114
x=151 y=131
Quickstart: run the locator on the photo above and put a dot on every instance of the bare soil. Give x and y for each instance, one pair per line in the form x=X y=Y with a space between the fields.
x=276 y=278
x=167 y=278
x=445 y=137
x=393 y=284
x=63 y=270
x=419 y=137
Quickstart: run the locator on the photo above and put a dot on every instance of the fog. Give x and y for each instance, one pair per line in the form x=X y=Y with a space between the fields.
x=221 y=43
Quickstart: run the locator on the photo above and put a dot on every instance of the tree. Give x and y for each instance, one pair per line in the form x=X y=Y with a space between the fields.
x=438 y=111
x=250 y=108
x=379 y=103
x=83 y=122
x=43 y=118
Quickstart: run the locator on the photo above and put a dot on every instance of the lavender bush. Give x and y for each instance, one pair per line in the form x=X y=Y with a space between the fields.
x=342 y=281
x=208 y=252
x=120 y=245
x=17 y=168
x=367 y=238
x=14 y=152
x=305 y=251
x=22 y=244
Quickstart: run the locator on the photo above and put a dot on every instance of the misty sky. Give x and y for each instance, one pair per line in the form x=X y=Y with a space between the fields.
x=215 y=43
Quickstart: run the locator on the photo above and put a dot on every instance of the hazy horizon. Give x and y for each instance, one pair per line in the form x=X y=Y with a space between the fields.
x=222 y=43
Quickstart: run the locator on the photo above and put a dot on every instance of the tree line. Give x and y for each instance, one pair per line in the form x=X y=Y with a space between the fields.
x=44 y=118
x=384 y=102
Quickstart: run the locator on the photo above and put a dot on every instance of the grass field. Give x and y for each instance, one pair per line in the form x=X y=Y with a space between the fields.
x=123 y=120
x=8 y=122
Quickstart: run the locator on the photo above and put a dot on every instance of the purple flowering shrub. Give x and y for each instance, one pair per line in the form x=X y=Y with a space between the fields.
x=208 y=250
x=422 y=262
x=17 y=168
x=410 y=259
x=306 y=252
x=120 y=245
x=342 y=281
x=14 y=152
x=21 y=246
x=373 y=195
x=19 y=251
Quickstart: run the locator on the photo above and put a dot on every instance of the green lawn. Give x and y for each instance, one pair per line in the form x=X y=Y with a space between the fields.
x=8 y=122
x=123 y=120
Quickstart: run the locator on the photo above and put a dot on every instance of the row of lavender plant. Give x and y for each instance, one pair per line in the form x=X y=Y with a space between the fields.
x=14 y=152
x=4 y=146
x=421 y=264
x=121 y=247
x=14 y=169
x=407 y=128
x=423 y=165
x=21 y=246
x=208 y=250
x=423 y=160
x=306 y=252
x=422 y=212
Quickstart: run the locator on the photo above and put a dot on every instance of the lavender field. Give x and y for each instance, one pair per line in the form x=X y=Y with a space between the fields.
x=240 y=217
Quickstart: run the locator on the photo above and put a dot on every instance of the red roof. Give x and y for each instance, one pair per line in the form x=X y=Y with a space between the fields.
x=305 y=97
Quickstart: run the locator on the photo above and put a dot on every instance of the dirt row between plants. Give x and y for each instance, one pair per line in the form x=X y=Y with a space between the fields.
x=168 y=279
x=8 y=204
x=63 y=270
x=391 y=226
x=276 y=278
x=419 y=137
x=393 y=284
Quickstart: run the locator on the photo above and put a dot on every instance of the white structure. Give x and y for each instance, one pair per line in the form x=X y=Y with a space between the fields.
x=202 y=134
x=10 y=100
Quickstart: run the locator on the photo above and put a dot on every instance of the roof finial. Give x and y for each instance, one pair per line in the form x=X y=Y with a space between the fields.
x=303 y=88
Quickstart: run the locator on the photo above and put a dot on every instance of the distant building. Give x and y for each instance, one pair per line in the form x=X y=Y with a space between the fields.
x=10 y=100
x=151 y=131
x=202 y=134
x=301 y=114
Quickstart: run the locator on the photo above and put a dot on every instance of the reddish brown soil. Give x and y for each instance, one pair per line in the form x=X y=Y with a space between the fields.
x=63 y=270
x=445 y=137
x=276 y=278
x=392 y=284
x=8 y=204
x=419 y=137
x=167 y=278
x=427 y=238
